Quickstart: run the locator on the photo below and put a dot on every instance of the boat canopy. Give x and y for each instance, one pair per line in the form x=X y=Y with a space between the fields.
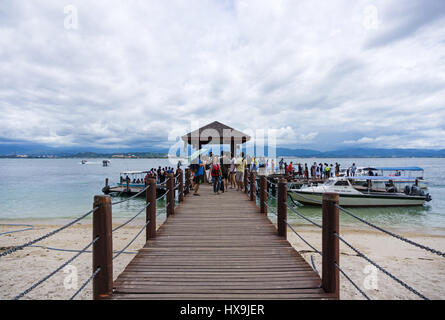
x=133 y=172
x=381 y=178
x=399 y=168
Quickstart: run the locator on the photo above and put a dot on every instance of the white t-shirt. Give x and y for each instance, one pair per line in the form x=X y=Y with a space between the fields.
x=232 y=165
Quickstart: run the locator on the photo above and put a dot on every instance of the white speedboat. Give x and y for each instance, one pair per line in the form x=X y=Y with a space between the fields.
x=351 y=195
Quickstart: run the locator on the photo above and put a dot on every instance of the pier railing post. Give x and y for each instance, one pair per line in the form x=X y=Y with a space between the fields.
x=330 y=244
x=282 y=208
x=252 y=186
x=150 y=210
x=181 y=186
x=103 y=247
x=246 y=172
x=171 y=194
x=263 y=194
x=187 y=181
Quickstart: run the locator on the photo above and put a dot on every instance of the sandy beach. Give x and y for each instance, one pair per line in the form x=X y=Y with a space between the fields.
x=422 y=270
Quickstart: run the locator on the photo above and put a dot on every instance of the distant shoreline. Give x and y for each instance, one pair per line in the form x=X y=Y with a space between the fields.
x=167 y=157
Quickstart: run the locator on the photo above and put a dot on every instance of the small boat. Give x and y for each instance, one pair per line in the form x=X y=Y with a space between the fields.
x=131 y=182
x=84 y=161
x=105 y=163
x=353 y=194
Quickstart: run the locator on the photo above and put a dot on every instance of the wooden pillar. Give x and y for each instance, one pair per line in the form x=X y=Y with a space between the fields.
x=252 y=186
x=181 y=186
x=246 y=172
x=102 y=248
x=330 y=246
x=263 y=194
x=170 y=184
x=106 y=182
x=282 y=208
x=187 y=181
x=232 y=147
x=150 y=211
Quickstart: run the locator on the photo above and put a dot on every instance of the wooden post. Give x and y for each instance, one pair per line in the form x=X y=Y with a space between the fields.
x=150 y=211
x=103 y=247
x=263 y=194
x=106 y=182
x=252 y=186
x=181 y=186
x=246 y=172
x=330 y=246
x=187 y=181
x=170 y=184
x=282 y=208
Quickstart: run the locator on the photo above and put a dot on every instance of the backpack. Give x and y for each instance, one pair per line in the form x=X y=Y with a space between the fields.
x=216 y=170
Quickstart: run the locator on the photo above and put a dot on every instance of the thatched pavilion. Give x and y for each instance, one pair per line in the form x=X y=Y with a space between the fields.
x=215 y=133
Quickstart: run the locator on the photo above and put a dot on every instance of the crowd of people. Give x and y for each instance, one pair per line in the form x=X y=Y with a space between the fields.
x=227 y=171
x=224 y=171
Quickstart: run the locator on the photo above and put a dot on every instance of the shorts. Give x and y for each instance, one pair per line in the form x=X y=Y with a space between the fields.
x=198 y=179
x=239 y=176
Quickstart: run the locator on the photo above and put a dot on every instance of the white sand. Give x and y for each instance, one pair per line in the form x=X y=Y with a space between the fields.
x=422 y=270
x=418 y=268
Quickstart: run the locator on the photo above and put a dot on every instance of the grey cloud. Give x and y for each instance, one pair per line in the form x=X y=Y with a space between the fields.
x=403 y=19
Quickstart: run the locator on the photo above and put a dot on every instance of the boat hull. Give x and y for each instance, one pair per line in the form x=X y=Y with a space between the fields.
x=354 y=200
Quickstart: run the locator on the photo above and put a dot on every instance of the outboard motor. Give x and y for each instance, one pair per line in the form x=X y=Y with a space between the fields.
x=407 y=190
x=391 y=189
x=416 y=191
x=428 y=197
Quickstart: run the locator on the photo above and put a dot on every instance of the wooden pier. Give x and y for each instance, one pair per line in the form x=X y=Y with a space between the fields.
x=218 y=247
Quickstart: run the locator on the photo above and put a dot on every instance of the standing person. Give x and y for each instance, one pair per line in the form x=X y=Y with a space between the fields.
x=306 y=171
x=199 y=176
x=240 y=167
x=215 y=172
x=225 y=166
x=353 y=168
x=273 y=166
x=232 y=172
x=281 y=165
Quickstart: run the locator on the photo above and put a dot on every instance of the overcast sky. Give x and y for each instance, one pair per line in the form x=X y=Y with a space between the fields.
x=324 y=74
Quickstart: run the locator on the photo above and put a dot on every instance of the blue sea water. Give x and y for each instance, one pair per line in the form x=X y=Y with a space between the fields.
x=64 y=188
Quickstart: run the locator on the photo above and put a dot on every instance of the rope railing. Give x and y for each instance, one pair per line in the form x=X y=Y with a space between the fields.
x=437 y=252
x=302 y=216
x=132 y=218
x=306 y=198
x=381 y=268
x=132 y=197
x=132 y=240
x=27 y=227
x=311 y=246
x=35 y=285
x=15 y=248
x=85 y=283
x=351 y=281
x=85 y=249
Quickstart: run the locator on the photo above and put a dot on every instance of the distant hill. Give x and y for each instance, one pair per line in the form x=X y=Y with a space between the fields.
x=363 y=153
x=38 y=150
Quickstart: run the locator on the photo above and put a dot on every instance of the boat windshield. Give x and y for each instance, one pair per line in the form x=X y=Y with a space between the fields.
x=329 y=182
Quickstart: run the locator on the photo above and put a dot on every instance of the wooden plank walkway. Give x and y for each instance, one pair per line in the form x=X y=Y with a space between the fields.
x=218 y=247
